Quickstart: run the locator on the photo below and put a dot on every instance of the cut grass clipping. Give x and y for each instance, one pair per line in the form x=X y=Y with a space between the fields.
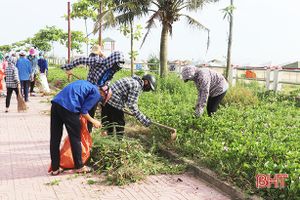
x=127 y=160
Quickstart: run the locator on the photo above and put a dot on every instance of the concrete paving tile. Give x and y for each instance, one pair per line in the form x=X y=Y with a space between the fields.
x=24 y=153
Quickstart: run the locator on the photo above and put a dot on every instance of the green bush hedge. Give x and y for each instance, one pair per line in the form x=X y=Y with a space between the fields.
x=239 y=141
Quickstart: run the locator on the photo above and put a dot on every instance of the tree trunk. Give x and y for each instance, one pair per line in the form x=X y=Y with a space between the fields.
x=69 y=33
x=164 y=51
x=131 y=47
x=100 y=24
x=87 y=39
x=228 y=68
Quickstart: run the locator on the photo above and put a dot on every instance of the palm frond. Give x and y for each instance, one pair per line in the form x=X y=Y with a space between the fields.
x=151 y=24
x=197 y=4
x=100 y=19
x=193 y=22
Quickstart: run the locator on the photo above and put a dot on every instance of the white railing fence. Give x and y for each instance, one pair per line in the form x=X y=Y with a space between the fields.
x=273 y=77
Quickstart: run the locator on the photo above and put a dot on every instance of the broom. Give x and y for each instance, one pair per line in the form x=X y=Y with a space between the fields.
x=21 y=103
x=173 y=134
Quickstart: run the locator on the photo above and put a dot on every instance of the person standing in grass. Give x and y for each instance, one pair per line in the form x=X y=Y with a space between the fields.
x=99 y=65
x=211 y=86
x=12 y=81
x=125 y=92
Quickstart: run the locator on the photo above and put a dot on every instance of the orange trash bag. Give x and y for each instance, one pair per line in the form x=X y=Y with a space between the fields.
x=66 y=158
x=250 y=74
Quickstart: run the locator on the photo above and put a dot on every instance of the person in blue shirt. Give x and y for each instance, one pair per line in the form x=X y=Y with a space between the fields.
x=24 y=68
x=74 y=100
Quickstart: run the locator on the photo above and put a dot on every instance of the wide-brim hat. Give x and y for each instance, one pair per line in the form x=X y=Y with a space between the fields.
x=22 y=53
x=96 y=50
x=32 y=51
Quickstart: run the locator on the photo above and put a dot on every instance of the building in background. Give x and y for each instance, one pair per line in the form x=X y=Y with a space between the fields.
x=295 y=65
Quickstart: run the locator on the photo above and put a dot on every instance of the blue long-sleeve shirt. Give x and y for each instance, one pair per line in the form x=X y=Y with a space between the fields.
x=24 y=68
x=78 y=97
x=43 y=65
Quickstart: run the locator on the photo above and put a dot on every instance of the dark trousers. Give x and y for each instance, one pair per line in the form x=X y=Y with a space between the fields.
x=92 y=114
x=25 y=88
x=8 y=95
x=213 y=103
x=32 y=83
x=59 y=117
x=113 y=117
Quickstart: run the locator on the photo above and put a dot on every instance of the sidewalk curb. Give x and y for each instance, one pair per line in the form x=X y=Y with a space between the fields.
x=209 y=176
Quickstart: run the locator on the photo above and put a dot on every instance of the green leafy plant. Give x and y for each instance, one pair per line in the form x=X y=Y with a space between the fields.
x=241 y=96
x=127 y=160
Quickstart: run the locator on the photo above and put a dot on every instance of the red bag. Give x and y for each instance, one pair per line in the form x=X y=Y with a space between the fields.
x=66 y=158
x=2 y=74
x=250 y=74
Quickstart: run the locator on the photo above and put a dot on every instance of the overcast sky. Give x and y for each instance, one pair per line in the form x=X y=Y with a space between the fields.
x=265 y=31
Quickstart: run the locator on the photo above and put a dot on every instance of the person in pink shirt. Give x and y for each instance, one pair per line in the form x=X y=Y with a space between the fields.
x=3 y=64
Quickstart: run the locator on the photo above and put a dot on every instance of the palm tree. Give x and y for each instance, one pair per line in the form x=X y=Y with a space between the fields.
x=91 y=9
x=127 y=10
x=83 y=9
x=228 y=13
x=167 y=12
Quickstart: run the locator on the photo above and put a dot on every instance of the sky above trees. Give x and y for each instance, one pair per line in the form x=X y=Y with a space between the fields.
x=265 y=31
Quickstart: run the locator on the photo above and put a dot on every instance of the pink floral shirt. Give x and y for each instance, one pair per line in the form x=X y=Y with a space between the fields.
x=209 y=84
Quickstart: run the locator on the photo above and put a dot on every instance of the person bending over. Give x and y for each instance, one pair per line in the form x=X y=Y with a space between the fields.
x=74 y=100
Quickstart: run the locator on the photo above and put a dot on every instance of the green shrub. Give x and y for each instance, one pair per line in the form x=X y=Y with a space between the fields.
x=59 y=79
x=251 y=135
x=153 y=63
x=127 y=160
x=241 y=96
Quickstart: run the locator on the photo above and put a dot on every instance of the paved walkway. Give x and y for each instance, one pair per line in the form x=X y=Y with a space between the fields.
x=24 y=160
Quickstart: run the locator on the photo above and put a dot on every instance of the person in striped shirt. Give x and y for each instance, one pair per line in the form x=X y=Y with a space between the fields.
x=211 y=86
x=99 y=65
x=125 y=92
x=12 y=81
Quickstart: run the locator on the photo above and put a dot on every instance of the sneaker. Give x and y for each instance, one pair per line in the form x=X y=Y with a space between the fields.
x=32 y=94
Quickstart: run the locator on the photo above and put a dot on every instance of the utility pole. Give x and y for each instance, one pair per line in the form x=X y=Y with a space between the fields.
x=229 y=68
x=69 y=33
x=100 y=24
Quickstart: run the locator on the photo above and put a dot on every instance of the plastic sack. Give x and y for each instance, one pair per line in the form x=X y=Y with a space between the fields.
x=250 y=74
x=44 y=83
x=66 y=158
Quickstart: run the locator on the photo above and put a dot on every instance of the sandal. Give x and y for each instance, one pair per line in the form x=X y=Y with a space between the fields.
x=84 y=169
x=57 y=172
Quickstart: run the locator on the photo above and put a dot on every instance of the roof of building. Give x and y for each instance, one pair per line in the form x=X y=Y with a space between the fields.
x=108 y=39
x=292 y=65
